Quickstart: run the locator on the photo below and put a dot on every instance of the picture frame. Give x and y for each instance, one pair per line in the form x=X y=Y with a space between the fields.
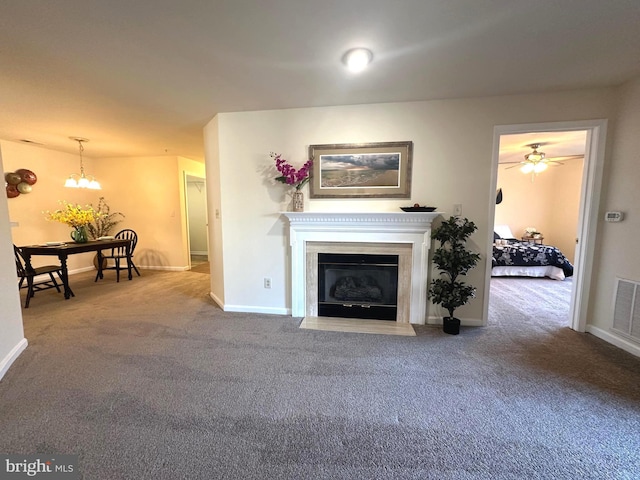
x=361 y=170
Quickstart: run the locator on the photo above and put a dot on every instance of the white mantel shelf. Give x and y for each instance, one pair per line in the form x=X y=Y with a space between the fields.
x=412 y=228
x=365 y=219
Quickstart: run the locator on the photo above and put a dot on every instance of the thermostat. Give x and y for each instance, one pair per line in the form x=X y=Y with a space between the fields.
x=613 y=216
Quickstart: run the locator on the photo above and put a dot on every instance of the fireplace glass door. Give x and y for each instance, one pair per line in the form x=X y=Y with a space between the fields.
x=358 y=286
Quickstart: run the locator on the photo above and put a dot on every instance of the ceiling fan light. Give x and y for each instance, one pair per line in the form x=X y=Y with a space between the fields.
x=540 y=167
x=527 y=168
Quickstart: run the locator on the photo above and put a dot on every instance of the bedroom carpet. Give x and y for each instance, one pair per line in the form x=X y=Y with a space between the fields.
x=148 y=379
x=531 y=301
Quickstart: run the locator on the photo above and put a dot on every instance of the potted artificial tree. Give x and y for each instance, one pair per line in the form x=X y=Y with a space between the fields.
x=453 y=260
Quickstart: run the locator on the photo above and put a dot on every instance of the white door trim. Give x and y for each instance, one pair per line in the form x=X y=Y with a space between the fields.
x=588 y=215
x=185 y=179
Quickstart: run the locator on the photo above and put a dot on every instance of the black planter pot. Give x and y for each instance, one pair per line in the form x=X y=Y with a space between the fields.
x=451 y=325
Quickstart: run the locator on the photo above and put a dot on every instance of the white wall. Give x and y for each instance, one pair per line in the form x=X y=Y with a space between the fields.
x=147 y=191
x=12 y=340
x=617 y=252
x=564 y=211
x=452 y=164
x=214 y=210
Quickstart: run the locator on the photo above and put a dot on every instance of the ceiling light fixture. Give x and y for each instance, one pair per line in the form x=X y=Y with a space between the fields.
x=534 y=161
x=357 y=59
x=82 y=181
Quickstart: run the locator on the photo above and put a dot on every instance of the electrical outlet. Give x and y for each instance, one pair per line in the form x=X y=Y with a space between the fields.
x=267 y=282
x=457 y=209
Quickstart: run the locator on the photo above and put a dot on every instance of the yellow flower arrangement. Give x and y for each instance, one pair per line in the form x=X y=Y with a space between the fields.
x=74 y=215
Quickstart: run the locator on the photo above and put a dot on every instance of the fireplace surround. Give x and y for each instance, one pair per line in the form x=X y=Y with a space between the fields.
x=407 y=235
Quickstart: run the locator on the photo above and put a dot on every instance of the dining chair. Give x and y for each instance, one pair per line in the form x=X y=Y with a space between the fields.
x=120 y=253
x=33 y=285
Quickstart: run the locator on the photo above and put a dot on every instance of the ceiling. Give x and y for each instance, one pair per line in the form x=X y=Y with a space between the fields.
x=514 y=147
x=143 y=77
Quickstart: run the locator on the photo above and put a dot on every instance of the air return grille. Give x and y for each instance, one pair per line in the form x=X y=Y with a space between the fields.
x=626 y=309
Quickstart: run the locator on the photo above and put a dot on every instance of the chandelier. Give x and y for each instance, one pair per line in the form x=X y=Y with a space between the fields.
x=81 y=180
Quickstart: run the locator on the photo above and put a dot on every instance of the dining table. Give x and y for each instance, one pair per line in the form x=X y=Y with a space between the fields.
x=62 y=250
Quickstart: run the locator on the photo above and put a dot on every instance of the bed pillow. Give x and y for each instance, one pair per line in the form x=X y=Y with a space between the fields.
x=503 y=230
x=496 y=236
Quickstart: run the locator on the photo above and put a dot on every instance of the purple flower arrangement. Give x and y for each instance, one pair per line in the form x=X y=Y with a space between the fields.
x=289 y=175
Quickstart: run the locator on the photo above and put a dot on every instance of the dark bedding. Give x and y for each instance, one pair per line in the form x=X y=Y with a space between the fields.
x=527 y=254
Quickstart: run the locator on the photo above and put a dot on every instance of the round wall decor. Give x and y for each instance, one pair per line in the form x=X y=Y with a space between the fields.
x=19 y=182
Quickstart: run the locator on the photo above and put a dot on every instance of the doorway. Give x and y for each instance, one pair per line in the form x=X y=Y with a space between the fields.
x=197 y=231
x=578 y=238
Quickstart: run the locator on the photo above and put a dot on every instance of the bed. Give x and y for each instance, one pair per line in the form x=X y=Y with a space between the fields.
x=515 y=258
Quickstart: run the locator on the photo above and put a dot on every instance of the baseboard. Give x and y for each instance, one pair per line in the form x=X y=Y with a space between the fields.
x=254 y=309
x=464 y=322
x=219 y=302
x=162 y=267
x=614 y=339
x=198 y=252
x=249 y=309
x=81 y=270
x=7 y=361
x=150 y=267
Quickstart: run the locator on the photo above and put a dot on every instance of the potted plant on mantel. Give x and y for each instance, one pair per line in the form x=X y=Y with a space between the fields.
x=453 y=260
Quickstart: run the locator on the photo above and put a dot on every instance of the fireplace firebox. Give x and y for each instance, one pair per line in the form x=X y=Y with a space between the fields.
x=358 y=286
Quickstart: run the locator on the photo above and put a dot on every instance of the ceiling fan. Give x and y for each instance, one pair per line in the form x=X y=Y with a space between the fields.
x=536 y=162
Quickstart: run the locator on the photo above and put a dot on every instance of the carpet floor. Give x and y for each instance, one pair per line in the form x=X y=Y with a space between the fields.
x=149 y=379
x=541 y=301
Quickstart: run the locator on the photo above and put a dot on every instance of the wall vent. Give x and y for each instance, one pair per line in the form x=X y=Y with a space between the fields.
x=626 y=309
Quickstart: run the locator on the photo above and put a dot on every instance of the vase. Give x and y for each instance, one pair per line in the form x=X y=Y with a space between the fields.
x=298 y=201
x=79 y=234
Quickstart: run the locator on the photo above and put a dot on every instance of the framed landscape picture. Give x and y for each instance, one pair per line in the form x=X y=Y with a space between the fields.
x=360 y=170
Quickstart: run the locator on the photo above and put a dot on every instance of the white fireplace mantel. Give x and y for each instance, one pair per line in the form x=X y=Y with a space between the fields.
x=412 y=228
